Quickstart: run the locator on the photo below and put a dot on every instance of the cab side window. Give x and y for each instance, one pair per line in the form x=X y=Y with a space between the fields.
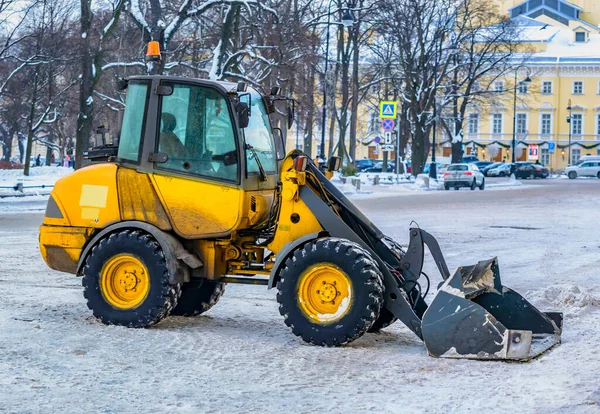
x=196 y=133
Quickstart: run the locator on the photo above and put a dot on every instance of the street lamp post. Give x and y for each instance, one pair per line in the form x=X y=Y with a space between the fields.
x=433 y=165
x=514 y=137
x=570 y=122
x=347 y=21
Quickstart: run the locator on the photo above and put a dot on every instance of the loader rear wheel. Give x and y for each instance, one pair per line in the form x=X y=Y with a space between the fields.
x=386 y=318
x=330 y=292
x=198 y=296
x=126 y=280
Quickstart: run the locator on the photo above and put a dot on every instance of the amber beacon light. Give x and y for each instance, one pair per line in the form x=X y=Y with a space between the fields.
x=153 y=52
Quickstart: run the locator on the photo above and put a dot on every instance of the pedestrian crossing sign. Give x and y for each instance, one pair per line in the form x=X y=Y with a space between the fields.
x=387 y=109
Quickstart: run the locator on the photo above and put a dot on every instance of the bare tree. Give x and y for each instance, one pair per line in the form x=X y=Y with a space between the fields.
x=484 y=46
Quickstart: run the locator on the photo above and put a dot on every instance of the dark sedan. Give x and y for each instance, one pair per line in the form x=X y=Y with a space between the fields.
x=378 y=167
x=531 y=171
x=362 y=165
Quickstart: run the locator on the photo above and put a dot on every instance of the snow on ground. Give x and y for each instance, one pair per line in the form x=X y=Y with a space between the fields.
x=39 y=181
x=393 y=185
x=240 y=356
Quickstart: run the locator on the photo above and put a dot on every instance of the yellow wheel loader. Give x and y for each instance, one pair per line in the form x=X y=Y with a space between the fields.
x=202 y=194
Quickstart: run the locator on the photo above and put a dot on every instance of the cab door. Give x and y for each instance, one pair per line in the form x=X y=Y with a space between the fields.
x=199 y=182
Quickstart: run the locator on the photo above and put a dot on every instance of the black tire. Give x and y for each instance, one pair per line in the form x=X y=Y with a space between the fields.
x=502 y=174
x=161 y=297
x=367 y=291
x=386 y=318
x=572 y=175
x=456 y=188
x=447 y=187
x=198 y=296
x=598 y=175
x=473 y=184
x=482 y=186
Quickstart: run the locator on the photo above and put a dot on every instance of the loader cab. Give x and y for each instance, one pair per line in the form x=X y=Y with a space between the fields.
x=200 y=129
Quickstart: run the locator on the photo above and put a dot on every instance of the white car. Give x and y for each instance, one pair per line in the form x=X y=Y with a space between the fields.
x=585 y=169
x=463 y=175
x=502 y=170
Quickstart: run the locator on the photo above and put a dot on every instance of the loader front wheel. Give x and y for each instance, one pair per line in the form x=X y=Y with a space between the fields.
x=386 y=318
x=126 y=280
x=330 y=292
x=198 y=296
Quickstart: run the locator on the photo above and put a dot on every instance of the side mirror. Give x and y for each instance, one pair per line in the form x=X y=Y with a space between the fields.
x=334 y=163
x=243 y=111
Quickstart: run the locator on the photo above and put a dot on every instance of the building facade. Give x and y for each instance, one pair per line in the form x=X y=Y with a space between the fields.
x=556 y=118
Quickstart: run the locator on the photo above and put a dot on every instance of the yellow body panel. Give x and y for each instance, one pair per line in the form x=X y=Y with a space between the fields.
x=199 y=209
x=61 y=246
x=87 y=198
x=138 y=200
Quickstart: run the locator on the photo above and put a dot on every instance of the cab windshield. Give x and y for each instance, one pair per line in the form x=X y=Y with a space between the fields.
x=258 y=135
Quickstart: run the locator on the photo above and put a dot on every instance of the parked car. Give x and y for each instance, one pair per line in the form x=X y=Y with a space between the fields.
x=502 y=170
x=441 y=168
x=485 y=170
x=587 y=158
x=529 y=170
x=378 y=167
x=362 y=165
x=468 y=159
x=482 y=164
x=585 y=169
x=463 y=175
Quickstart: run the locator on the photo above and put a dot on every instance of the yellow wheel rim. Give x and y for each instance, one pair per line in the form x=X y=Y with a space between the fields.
x=324 y=293
x=124 y=281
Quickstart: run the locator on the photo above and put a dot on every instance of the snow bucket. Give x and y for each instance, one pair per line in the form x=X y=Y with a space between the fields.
x=473 y=316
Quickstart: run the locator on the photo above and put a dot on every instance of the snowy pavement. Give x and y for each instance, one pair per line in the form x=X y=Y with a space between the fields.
x=240 y=356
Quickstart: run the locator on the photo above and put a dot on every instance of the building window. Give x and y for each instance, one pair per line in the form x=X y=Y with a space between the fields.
x=547 y=87
x=473 y=124
x=499 y=86
x=575 y=155
x=597 y=125
x=521 y=123
x=580 y=36
x=598 y=92
x=545 y=156
x=523 y=87
x=577 y=124
x=546 y=126
x=496 y=123
x=577 y=87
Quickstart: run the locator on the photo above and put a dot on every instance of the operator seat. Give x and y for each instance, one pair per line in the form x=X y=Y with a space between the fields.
x=168 y=142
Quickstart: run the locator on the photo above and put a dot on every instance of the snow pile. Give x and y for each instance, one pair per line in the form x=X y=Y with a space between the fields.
x=568 y=299
x=426 y=183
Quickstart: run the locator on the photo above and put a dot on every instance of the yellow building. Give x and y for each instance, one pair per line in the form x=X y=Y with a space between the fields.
x=565 y=73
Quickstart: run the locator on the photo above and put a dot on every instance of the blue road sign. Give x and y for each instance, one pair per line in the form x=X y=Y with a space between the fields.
x=551 y=147
x=377 y=140
x=387 y=109
x=388 y=124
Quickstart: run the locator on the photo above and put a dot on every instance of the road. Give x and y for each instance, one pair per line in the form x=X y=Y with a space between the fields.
x=240 y=357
